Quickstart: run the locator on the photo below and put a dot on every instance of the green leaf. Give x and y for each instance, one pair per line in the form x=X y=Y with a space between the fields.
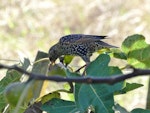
x=59 y=106
x=72 y=74
x=40 y=66
x=139 y=110
x=56 y=70
x=25 y=63
x=99 y=96
x=99 y=67
x=48 y=97
x=68 y=59
x=137 y=51
x=14 y=91
x=119 y=109
x=119 y=54
x=11 y=76
x=129 y=87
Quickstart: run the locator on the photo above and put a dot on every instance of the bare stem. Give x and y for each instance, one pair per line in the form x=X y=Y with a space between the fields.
x=88 y=79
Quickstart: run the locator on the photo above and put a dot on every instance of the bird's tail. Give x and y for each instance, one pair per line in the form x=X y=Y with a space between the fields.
x=102 y=44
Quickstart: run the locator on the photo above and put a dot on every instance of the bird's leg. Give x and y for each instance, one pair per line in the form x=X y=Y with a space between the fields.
x=86 y=58
x=84 y=72
x=80 y=68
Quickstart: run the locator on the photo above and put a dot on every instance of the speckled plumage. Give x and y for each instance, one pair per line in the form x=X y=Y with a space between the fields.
x=78 y=45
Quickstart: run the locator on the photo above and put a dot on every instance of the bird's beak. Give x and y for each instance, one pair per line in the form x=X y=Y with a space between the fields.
x=51 y=64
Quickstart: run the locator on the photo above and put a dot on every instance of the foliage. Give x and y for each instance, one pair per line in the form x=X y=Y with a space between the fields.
x=85 y=98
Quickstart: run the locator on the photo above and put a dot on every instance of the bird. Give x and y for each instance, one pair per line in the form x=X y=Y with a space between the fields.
x=82 y=45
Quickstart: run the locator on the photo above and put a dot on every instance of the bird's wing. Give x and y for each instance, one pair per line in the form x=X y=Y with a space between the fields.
x=80 y=38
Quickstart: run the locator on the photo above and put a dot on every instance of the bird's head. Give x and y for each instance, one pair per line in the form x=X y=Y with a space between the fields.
x=53 y=53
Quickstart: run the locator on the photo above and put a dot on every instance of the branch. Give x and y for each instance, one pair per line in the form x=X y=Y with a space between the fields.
x=88 y=80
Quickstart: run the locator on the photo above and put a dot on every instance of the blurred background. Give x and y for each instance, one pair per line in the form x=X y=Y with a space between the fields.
x=27 y=26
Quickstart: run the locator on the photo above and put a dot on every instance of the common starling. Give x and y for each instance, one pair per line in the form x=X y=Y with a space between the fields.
x=78 y=45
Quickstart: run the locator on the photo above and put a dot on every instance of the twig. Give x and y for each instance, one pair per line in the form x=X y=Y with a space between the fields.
x=88 y=79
